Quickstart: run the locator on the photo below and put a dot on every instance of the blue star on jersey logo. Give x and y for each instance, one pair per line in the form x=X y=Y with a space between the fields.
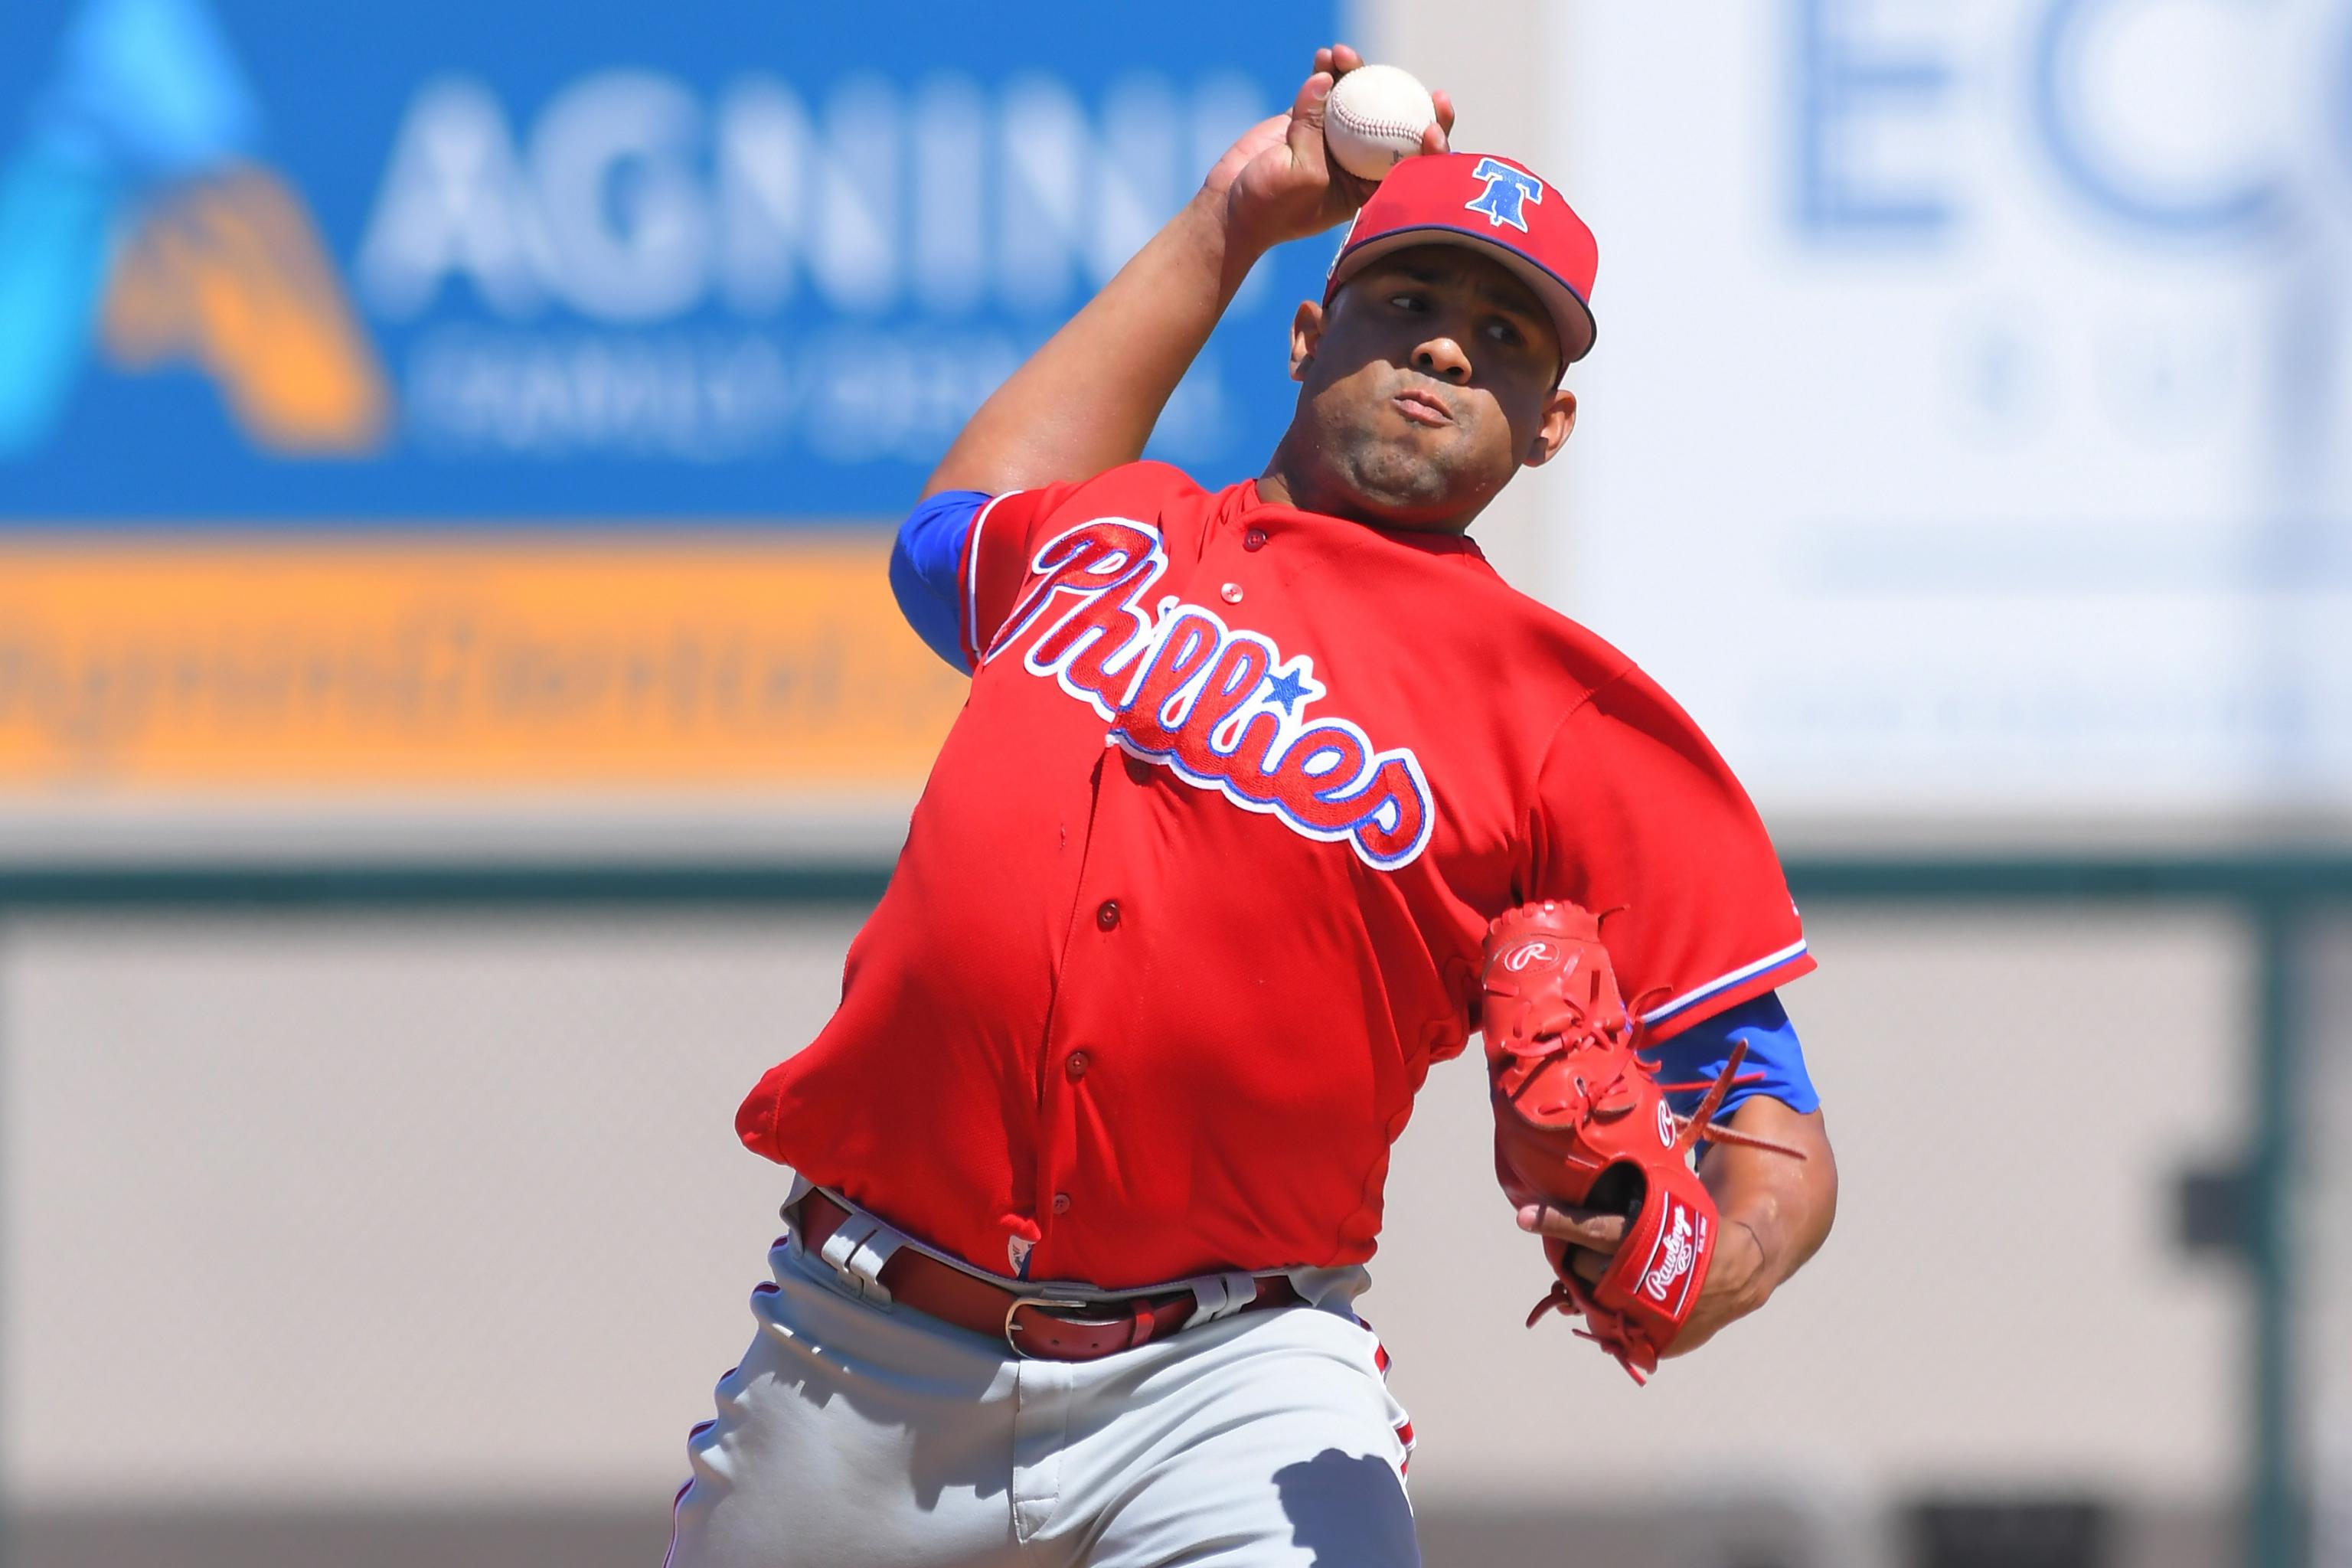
x=1285 y=690
x=1508 y=191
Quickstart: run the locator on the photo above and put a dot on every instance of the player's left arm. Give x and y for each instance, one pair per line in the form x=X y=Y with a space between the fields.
x=1773 y=1212
x=1642 y=817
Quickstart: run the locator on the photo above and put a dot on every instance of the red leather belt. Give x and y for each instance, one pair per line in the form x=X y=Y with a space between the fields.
x=1045 y=1326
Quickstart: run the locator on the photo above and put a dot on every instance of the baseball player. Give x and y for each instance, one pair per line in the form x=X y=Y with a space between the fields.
x=1262 y=796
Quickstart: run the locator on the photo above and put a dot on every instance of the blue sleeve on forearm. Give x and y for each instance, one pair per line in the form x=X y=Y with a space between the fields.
x=926 y=569
x=1698 y=1053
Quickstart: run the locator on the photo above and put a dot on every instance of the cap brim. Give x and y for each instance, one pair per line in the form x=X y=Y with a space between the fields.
x=1570 y=316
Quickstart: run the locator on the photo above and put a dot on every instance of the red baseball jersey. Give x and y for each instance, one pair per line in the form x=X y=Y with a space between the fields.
x=1194 y=896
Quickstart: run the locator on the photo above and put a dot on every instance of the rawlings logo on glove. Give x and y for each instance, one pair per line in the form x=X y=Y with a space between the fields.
x=1582 y=1120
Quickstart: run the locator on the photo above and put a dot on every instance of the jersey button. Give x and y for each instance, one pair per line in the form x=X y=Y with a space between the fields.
x=1061 y=1202
x=1075 y=1068
x=1107 y=915
x=1230 y=592
x=1253 y=540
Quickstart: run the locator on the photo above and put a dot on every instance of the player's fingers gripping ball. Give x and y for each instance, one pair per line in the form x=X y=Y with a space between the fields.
x=1582 y=1120
x=1375 y=119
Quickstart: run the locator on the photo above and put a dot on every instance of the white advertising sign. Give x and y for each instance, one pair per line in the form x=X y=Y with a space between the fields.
x=1966 y=435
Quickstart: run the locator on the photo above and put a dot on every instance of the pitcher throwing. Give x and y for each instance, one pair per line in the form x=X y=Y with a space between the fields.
x=1232 y=843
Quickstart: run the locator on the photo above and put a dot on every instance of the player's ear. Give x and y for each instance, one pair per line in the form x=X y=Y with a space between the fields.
x=1306 y=332
x=1552 y=430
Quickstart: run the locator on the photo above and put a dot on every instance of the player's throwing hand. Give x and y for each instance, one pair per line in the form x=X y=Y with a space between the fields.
x=1279 y=182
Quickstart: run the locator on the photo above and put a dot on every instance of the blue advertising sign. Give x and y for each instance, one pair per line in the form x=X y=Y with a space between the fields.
x=448 y=264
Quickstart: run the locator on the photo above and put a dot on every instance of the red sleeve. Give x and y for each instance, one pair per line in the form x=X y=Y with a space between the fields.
x=1637 y=814
x=996 y=557
x=1001 y=553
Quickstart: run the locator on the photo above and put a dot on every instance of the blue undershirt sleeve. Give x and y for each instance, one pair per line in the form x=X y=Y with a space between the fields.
x=926 y=569
x=1698 y=1053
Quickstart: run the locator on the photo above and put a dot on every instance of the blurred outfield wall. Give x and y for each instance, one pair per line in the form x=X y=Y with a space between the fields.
x=398 y=1224
x=474 y=439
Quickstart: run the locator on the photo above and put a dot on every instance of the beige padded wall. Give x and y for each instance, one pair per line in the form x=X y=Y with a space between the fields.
x=429 y=1208
x=371 y=1208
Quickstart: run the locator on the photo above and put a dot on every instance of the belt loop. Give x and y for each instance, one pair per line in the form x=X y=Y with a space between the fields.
x=1218 y=1296
x=1245 y=1288
x=857 y=1251
x=868 y=1261
x=802 y=1187
x=791 y=1211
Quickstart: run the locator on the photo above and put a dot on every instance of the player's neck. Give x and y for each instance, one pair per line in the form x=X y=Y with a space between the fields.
x=1286 y=483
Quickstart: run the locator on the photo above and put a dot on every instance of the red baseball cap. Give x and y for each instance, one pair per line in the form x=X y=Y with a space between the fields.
x=1492 y=205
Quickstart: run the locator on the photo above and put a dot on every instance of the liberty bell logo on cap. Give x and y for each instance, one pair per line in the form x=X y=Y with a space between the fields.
x=1507 y=193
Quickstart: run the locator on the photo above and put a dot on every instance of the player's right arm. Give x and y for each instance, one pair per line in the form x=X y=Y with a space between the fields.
x=1087 y=399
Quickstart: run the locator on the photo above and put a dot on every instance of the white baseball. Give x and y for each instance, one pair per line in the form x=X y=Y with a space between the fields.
x=1374 y=118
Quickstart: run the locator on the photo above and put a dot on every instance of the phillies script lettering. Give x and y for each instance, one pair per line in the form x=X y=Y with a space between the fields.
x=1217 y=705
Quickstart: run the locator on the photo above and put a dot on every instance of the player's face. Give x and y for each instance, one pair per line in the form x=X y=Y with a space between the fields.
x=1425 y=385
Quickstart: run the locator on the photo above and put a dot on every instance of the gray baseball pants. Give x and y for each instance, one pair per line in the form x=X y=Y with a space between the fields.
x=858 y=1435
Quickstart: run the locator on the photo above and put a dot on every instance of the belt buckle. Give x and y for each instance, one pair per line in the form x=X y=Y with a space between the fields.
x=1041 y=1302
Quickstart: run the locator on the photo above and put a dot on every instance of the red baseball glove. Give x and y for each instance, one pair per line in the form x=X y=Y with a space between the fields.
x=1580 y=1121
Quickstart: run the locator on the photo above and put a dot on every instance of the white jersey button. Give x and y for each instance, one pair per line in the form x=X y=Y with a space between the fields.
x=1230 y=592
